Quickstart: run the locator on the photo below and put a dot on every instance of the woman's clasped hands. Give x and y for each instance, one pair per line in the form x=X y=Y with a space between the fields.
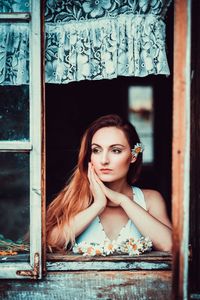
x=97 y=192
x=101 y=193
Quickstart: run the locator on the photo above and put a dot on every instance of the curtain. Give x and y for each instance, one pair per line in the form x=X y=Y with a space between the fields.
x=14 y=45
x=90 y=39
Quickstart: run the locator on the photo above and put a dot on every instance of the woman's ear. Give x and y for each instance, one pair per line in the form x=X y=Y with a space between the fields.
x=133 y=158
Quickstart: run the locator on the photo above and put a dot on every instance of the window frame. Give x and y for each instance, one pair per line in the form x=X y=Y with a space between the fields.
x=180 y=162
x=155 y=260
x=181 y=147
x=33 y=268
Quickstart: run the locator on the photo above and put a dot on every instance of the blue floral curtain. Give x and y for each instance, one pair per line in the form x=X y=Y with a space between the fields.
x=91 y=39
x=14 y=45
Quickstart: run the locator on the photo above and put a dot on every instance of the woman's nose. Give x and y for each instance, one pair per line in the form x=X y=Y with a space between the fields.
x=104 y=158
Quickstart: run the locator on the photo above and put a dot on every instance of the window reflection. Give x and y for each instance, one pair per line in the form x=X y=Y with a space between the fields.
x=141 y=116
x=14 y=112
x=14 y=201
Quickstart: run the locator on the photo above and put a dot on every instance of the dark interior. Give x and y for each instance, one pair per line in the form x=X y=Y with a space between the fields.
x=70 y=108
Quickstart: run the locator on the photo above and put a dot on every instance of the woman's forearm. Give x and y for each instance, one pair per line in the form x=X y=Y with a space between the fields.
x=84 y=218
x=80 y=223
x=149 y=226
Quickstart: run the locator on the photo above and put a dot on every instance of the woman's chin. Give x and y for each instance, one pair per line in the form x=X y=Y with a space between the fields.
x=104 y=179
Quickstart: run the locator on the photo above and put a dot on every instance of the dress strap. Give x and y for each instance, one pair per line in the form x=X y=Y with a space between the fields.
x=139 y=197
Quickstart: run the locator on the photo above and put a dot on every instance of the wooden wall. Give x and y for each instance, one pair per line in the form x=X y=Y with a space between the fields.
x=195 y=152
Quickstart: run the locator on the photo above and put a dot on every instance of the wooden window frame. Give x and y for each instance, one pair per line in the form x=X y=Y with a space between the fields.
x=181 y=147
x=21 y=269
x=154 y=260
x=180 y=169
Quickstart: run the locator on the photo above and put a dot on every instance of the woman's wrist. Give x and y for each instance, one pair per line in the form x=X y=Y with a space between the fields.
x=124 y=199
x=99 y=206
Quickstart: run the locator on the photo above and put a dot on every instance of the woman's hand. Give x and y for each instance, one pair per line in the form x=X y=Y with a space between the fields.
x=115 y=197
x=97 y=192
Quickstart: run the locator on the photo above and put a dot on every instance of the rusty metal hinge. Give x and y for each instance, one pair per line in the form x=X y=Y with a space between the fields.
x=34 y=273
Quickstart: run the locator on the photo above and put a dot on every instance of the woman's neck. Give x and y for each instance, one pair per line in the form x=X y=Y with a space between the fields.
x=120 y=186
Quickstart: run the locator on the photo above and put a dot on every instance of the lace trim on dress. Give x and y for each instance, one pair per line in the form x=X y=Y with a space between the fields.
x=118 y=235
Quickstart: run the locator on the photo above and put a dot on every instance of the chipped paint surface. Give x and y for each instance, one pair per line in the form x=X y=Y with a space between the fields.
x=109 y=265
x=154 y=260
x=113 y=285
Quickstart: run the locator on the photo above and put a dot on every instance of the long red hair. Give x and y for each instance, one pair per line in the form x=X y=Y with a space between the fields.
x=76 y=195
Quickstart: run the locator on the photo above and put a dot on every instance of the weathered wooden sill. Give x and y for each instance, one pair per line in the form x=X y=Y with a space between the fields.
x=154 y=260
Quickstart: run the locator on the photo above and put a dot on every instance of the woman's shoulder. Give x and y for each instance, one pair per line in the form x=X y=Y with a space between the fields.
x=153 y=199
x=156 y=206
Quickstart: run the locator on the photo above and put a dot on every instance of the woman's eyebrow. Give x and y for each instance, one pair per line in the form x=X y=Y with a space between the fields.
x=110 y=146
x=94 y=144
x=117 y=145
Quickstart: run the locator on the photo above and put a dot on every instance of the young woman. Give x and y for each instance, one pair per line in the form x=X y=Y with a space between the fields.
x=100 y=201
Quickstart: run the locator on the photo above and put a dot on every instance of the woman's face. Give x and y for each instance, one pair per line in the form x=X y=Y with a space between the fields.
x=111 y=154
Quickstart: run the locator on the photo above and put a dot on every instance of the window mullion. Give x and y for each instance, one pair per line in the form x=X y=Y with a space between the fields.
x=19 y=17
x=15 y=146
x=31 y=268
x=35 y=134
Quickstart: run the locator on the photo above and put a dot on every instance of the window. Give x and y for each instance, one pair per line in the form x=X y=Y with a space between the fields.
x=20 y=149
x=20 y=144
x=140 y=100
x=65 y=123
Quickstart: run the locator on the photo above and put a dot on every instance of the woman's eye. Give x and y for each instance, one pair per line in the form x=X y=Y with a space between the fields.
x=117 y=151
x=95 y=150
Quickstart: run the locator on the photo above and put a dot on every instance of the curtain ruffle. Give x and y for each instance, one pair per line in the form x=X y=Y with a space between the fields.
x=88 y=39
x=129 y=45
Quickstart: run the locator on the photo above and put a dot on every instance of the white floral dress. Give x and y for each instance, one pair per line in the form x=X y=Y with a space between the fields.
x=95 y=233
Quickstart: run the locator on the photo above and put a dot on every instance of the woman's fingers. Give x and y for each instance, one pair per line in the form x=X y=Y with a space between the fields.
x=99 y=182
x=98 y=194
x=90 y=174
x=99 y=187
x=94 y=184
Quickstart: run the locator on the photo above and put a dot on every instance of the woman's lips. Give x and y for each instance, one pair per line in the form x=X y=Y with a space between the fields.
x=105 y=171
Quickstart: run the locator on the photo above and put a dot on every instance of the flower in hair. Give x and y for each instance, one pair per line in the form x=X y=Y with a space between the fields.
x=138 y=148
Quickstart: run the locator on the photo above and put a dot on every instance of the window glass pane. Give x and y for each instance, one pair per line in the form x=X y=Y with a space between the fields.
x=14 y=112
x=14 y=201
x=14 y=53
x=14 y=6
x=141 y=116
